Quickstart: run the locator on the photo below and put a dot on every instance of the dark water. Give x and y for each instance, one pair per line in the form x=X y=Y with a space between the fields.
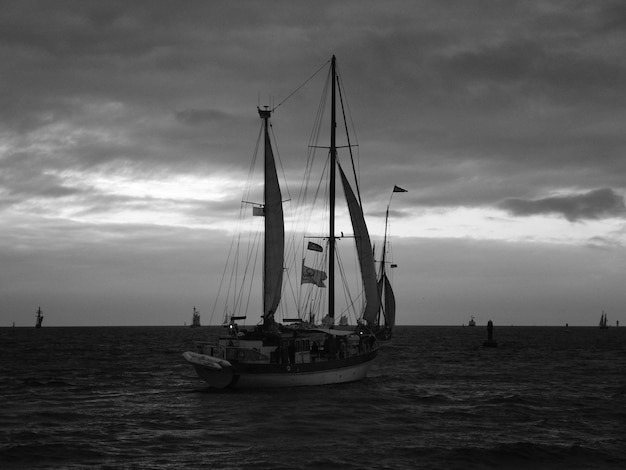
x=125 y=398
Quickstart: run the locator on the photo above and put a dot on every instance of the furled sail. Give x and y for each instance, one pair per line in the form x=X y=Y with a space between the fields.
x=274 y=234
x=388 y=299
x=364 y=252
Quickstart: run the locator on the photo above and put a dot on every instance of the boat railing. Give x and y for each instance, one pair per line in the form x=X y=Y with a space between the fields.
x=210 y=348
x=302 y=351
x=247 y=355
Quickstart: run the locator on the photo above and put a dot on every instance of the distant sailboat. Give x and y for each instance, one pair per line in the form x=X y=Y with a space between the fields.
x=386 y=319
x=277 y=355
x=603 y=321
x=39 y=318
x=195 y=319
x=471 y=322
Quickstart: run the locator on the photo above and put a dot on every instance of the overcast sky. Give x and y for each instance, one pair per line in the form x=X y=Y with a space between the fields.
x=126 y=129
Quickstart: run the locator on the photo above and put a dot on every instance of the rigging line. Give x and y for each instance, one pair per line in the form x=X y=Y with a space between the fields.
x=253 y=163
x=345 y=123
x=219 y=289
x=249 y=269
x=255 y=259
x=237 y=288
x=280 y=161
x=232 y=285
x=233 y=250
x=288 y=282
x=305 y=219
x=233 y=262
x=350 y=307
x=248 y=262
x=301 y=86
x=306 y=177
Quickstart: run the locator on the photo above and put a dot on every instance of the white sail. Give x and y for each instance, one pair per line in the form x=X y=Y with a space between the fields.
x=364 y=252
x=274 y=232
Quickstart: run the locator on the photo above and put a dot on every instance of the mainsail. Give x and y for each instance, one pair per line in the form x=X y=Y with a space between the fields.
x=274 y=229
x=364 y=251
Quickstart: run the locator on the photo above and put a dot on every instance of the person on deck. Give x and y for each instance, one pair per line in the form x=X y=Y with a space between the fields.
x=332 y=348
x=315 y=351
x=292 y=352
x=342 y=349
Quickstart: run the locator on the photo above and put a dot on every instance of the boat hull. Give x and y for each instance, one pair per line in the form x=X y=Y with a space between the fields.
x=247 y=375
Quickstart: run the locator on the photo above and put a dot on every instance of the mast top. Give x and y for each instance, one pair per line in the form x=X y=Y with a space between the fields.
x=265 y=113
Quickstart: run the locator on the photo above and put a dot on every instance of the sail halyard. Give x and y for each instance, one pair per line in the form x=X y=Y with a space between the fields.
x=273 y=257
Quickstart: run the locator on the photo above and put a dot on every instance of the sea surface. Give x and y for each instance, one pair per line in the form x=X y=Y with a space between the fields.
x=123 y=397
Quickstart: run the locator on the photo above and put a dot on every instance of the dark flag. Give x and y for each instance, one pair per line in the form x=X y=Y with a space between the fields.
x=313 y=276
x=314 y=247
x=398 y=189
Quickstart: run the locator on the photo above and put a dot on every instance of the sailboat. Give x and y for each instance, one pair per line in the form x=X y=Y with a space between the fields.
x=39 y=318
x=386 y=318
x=472 y=322
x=296 y=352
x=195 y=319
x=603 y=321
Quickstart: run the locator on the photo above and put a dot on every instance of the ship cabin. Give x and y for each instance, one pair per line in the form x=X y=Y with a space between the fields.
x=288 y=347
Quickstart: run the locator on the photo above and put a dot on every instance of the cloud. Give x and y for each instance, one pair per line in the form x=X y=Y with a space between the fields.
x=603 y=243
x=596 y=204
x=200 y=116
x=122 y=113
x=527 y=283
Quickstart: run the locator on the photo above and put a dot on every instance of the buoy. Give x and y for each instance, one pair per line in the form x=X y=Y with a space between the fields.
x=490 y=343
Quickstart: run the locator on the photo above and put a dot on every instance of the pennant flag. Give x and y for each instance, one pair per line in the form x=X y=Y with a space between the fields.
x=394 y=265
x=314 y=247
x=313 y=276
x=398 y=189
x=258 y=211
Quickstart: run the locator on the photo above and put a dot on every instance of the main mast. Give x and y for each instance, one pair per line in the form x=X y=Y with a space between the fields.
x=333 y=164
